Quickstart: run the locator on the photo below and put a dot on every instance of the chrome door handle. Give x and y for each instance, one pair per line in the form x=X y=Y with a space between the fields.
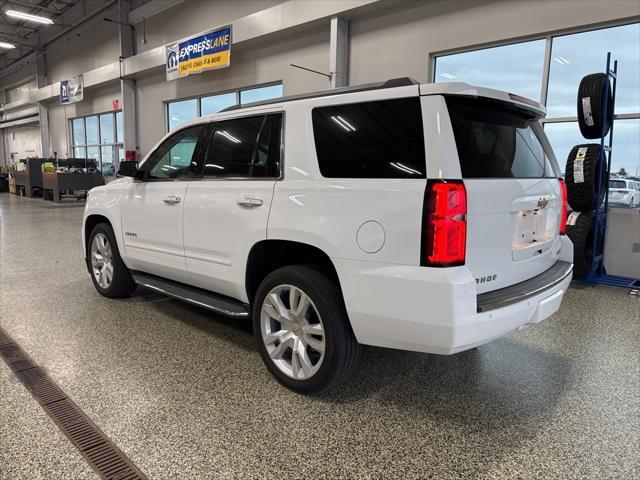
x=250 y=202
x=172 y=199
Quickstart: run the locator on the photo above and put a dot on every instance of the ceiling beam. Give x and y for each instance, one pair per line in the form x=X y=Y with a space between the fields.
x=4 y=36
x=31 y=5
x=11 y=25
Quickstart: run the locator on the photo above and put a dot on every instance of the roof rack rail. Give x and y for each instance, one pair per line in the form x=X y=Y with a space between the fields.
x=392 y=83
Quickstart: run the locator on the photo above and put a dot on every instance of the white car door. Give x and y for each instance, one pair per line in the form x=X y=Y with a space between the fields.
x=226 y=212
x=153 y=207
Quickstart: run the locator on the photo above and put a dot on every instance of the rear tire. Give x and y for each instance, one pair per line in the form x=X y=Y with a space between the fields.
x=307 y=349
x=591 y=115
x=582 y=195
x=109 y=274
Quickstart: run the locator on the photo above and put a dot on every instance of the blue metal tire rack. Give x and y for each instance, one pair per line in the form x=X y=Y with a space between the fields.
x=598 y=273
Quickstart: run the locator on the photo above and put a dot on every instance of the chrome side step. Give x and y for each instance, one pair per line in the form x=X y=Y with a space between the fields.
x=193 y=295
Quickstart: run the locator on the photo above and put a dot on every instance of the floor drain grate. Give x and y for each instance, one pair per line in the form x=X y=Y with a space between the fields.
x=103 y=456
x=15 y=357
x=4 y=338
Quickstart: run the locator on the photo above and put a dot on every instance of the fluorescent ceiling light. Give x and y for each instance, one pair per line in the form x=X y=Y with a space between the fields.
x=29 y=16
x=228 y=136
x=561 y=60
x=448 y=76
x=7 y=45
x=343 y=123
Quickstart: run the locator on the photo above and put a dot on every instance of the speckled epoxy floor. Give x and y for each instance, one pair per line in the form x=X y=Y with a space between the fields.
x=184 y=394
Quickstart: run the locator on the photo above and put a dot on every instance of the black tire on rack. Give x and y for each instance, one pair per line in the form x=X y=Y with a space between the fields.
x=580 y=226
x=581 y=177
x=591 y=114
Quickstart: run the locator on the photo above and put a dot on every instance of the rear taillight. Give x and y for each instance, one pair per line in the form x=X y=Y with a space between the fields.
x=444 y=228
x=563 y=214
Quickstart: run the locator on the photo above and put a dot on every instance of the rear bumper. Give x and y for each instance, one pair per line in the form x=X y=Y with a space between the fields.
x=438 y=310
x=525 y=290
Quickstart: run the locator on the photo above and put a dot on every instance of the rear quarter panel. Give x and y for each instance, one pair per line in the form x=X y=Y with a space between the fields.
x=328 y=212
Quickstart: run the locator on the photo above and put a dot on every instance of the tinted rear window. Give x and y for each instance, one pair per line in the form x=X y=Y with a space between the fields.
x=382 y=139
x=617 y=184
x=497 y=141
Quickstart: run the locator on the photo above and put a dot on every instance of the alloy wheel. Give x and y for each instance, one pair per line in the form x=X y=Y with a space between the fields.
x=102 y=260
x=292 y=332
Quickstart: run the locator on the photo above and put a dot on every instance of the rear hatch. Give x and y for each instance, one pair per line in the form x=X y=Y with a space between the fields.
x=514 y=200
x=618 y=190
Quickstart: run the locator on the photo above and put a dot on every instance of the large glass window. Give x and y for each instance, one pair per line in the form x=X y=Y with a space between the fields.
x=514 y=68
x=182 y=111
x=519 y=68
x=92 y=130
x=106 y=129
x=381 y=139
x=96 y=138
x=217 y=103
x=260 y=94
x=625 y=158
x=78 y=131
x=577 y=55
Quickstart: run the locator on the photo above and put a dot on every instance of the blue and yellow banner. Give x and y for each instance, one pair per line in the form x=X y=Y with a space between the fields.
x=207 y=51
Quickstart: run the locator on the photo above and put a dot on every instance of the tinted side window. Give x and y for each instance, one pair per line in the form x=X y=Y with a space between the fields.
x=495 y=140
x=382 y=139
x=174 y=158
x=232 y=147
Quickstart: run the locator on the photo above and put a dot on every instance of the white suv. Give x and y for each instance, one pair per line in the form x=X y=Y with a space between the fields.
x=417 y=217
x=623 y=192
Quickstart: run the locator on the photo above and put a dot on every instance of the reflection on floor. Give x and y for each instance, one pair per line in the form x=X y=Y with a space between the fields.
x=184 y=394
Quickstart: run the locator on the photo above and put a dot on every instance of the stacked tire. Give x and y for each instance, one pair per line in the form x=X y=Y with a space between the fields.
x=586 y=174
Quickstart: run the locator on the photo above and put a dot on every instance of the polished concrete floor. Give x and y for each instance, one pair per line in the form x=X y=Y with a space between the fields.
x=185 y=395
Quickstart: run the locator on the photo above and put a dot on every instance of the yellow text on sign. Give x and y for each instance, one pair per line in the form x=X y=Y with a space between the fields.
x=215 y=60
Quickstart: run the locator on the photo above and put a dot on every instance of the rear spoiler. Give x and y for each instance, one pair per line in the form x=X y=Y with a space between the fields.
x=466 y=90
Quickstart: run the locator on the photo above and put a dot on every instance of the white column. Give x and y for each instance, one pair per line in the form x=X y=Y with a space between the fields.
x=339 y=52
x=127 y=85
x=43 y=112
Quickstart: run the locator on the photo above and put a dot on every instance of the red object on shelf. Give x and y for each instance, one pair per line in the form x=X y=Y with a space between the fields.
x=130 y=155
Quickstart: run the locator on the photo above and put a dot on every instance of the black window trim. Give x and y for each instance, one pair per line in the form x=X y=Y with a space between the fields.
x=210 y=132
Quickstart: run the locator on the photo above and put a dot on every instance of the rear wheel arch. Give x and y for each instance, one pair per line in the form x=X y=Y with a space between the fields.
x=267 y=256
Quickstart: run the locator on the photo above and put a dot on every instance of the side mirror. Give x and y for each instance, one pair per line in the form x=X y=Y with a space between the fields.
x=128 y=168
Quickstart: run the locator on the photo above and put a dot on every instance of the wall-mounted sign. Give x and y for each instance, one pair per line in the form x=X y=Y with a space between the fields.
x=208 y=51
x=72 y=90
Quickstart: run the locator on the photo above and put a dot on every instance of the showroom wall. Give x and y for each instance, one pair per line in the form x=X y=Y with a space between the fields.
x=420 y=29
x=194 y=17
x=253 y=63
x=96 y=100
x=21 y=142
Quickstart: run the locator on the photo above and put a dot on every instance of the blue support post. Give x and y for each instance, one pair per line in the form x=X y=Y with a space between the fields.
x=598 y=273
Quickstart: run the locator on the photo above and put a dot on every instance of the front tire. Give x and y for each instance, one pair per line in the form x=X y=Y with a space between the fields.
x=110 y=275
x=302 y=329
